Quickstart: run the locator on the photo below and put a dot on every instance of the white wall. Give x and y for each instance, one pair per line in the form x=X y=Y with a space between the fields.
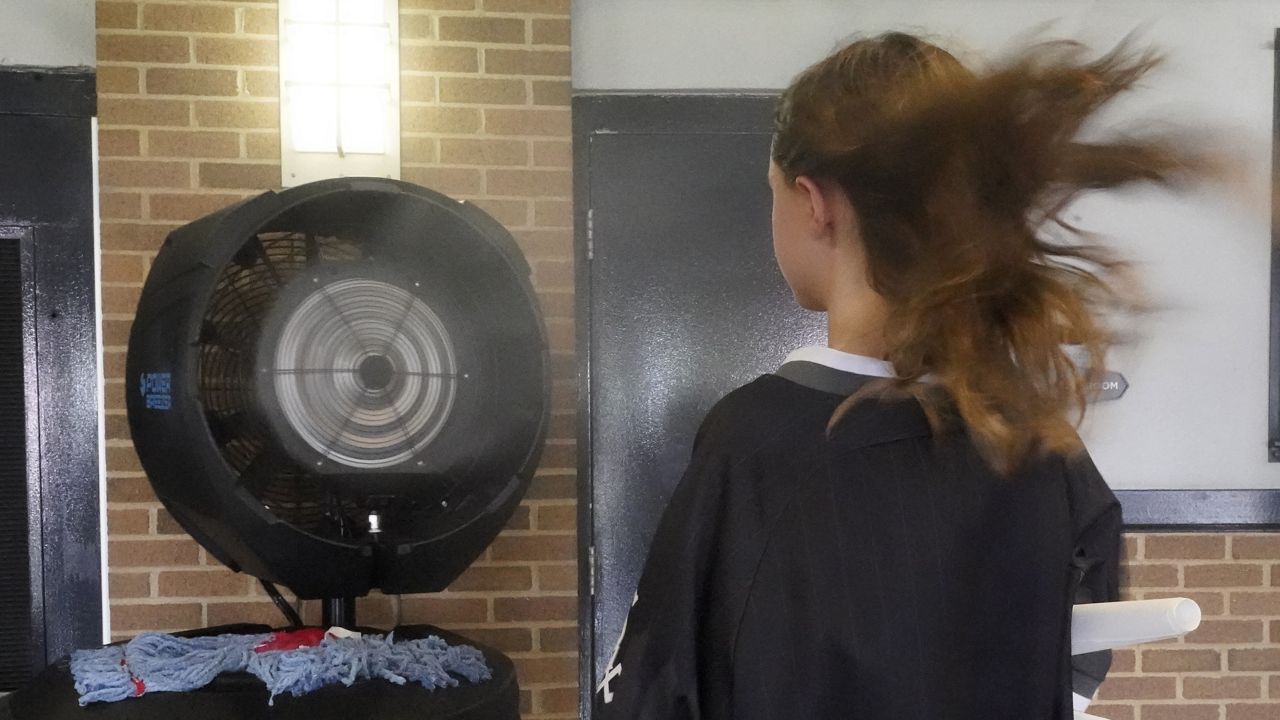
x=53 y=33
x=1196 y=414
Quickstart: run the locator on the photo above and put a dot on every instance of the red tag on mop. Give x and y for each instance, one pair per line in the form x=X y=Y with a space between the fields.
x=292 y=640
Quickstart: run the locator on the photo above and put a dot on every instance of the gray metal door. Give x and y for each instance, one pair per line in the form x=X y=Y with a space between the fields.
x=680 y=301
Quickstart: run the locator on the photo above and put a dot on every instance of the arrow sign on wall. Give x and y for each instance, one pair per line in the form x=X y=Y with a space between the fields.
x=1111 y=387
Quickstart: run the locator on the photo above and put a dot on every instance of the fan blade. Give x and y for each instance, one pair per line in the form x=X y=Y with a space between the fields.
x=312 y=250
x=225 y=428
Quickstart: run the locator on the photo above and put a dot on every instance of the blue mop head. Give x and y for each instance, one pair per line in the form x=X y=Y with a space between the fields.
x=155 y=662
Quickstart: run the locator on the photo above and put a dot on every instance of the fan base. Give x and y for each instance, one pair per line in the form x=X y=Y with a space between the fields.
x=237 y=696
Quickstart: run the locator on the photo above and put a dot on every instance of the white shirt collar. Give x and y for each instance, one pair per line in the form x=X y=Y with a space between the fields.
x=840 y=360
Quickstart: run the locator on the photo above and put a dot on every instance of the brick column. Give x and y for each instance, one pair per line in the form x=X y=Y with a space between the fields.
x=189 y=123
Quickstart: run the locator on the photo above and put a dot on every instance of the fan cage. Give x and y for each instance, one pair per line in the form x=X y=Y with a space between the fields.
x=331 y=505
x=361 y=368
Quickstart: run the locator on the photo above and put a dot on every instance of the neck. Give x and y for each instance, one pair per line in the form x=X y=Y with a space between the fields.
x=855 y=324
x=856 y=314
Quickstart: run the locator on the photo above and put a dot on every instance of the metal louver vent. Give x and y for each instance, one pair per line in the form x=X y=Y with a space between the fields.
x=15 y=573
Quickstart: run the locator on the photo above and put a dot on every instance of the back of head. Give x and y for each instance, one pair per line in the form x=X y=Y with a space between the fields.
x=956 y=179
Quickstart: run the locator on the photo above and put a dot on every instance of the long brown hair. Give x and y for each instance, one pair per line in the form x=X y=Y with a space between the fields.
x=958 y=181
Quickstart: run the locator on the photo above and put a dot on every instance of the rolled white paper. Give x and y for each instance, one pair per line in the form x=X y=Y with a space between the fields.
x=1102 y=626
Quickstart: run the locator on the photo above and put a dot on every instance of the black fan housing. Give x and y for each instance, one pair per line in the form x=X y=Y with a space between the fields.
x=342 y=386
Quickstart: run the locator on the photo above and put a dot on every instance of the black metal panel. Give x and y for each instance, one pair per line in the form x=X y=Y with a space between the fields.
x=46 y=190
x=66 y=344
x=67 y=92
x=1200 y=510
x=47 y=176
x=678 y=301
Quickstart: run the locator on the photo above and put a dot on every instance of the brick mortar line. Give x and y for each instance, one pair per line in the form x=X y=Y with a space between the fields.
x=414 y=71
x=240 y=32
x=243 y=5
x=154 y=600
x=205 y=190
x=193 y=128
x=269 y=100
x=1171 y=701
x=186 y=65
x=1186 y=561
x=150 y=534
x=518 y=625
x=182 y=33
x=145 y=96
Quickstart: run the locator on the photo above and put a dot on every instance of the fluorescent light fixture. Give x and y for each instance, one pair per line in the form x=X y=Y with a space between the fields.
x=315 y=123
x=368 y=12
x=362 y=115
x=363 y=50
x=339 y=89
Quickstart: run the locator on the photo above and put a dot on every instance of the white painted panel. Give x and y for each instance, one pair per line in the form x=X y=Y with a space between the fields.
x=55 y=33
x=1196 y=413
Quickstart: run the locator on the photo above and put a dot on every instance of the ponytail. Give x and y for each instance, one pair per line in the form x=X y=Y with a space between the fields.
x=959 y=181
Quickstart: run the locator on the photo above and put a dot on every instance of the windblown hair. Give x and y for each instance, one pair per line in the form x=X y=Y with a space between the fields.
x=958 y=181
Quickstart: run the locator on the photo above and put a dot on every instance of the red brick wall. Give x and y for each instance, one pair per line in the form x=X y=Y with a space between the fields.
x=1229 y=668
x=189 y=123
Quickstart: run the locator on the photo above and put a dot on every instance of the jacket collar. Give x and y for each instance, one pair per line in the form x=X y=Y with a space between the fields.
x=876 y=421
x=840 y=360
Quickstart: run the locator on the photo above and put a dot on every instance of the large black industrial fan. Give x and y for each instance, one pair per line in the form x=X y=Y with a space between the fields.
x=342 y=386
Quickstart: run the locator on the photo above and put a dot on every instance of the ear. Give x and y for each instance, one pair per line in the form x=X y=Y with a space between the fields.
x=821 y=212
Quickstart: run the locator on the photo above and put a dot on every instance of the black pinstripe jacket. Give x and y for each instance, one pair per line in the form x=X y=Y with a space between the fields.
x=883 y=574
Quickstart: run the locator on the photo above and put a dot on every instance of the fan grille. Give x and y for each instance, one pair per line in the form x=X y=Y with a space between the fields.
x=246 y=290
x=364 y=372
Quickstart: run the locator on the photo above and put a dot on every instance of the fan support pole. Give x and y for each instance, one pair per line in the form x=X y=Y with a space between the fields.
x=338 y=612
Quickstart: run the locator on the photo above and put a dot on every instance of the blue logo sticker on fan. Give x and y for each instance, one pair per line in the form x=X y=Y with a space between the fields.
x=155 y=388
